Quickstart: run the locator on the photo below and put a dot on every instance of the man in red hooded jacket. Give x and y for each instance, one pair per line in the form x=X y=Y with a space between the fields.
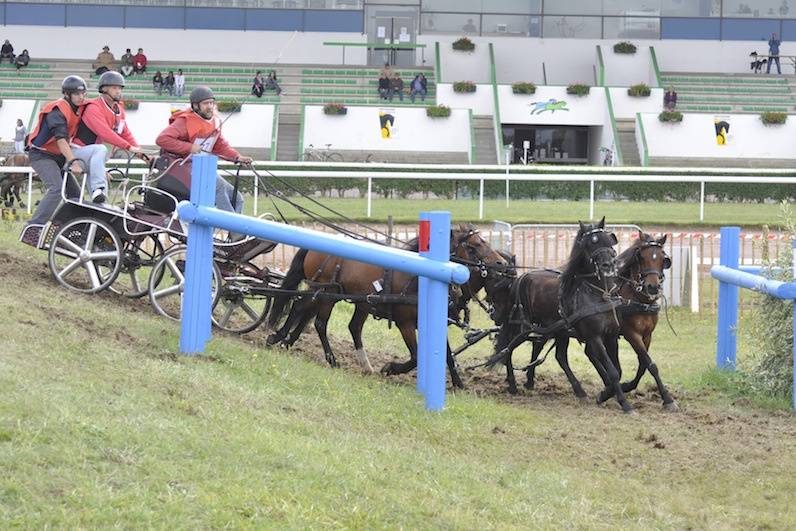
x=196 y=130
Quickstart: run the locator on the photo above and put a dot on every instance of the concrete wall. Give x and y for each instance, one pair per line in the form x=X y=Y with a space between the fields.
x=456 y=65
x=481 y=101
x=585 y=110
x=626 y=107
x=360 y=130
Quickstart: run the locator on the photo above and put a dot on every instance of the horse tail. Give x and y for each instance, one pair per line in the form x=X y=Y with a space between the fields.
x=294 y=276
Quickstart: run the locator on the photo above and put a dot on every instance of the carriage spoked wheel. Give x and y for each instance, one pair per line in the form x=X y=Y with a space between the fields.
x=139 y=256
x=85 y=255
x=167 y=283
x=238 y=308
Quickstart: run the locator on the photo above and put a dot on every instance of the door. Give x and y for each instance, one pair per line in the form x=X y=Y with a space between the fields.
x=389 y=26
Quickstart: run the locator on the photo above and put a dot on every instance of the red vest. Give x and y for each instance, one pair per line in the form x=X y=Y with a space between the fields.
x=206 y=131
x=72 y=121
x=117 y=122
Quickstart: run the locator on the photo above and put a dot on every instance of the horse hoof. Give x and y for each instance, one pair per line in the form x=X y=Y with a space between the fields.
x=672 y=407
x=583 y=399
x=512 y=390
x=387 y=370
x=529 y=386
x=630 y=410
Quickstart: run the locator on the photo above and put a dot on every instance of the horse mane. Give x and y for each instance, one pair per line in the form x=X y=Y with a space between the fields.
x=571 y=268
x=625 y=258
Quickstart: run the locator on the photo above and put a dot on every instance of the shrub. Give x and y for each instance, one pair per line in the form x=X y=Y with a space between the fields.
x=523 y=87
x=624 y=47
x=464 y=86
x=440 y=111
x=229 y=106
x=464 y=44
x=774 y=118
x=578 y=89
x=335 y=109
x=639 y=91
x=670 y=116
x=131 y=105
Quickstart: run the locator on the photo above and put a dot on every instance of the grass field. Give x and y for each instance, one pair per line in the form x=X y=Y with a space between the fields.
x=103 y=424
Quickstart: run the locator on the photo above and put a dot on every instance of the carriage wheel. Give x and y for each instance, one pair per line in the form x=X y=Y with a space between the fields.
x=139 y=256
x=237 y=309
x=85 y=255
x=167 y=283
x=334 y=157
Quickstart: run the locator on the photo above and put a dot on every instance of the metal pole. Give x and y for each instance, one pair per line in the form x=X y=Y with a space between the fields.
x=591 y=199
x=702 y=201
x=256 y=194
x=422 y=311
x=30 y=190
x=481 y=200
x=507 y=180
x=728 y=300
x=370 y=193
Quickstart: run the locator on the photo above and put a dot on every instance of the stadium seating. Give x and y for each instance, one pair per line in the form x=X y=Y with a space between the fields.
x=730 y=93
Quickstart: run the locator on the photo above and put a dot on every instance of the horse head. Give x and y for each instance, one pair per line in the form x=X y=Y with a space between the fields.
x=594 y=250
x=647 y=265
x=469 y=248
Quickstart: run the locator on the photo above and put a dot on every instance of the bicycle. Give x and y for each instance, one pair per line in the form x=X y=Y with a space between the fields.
x=320 y=155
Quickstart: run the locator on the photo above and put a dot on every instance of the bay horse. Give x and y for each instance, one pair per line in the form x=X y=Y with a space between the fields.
x=11 y=183
x=338 y=275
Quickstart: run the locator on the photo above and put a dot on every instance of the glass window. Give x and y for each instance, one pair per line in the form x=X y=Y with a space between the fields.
x=394 y=2
x=573 y=7
x=450 y=23
x=568 y=27
x=457 y=6
x=758 y=9
x=511 y=25
x=531 y=7
x=632 y=8
x=691 y=8
x=632 y=28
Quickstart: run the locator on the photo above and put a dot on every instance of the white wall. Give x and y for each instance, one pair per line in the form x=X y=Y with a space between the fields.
x=622 y=69
x=627 y=106
x=456 y=65
x=360 y=130
x=10 y=112
x=481 y=101
x=250 y=128
x=258 y=47
x=695 y=137
x=714 y=56
x=585 y=110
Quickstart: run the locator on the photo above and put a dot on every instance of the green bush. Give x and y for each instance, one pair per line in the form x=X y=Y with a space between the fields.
x=229 y=106
x=131 y=105
x=639 y=91
x=523 y=87
x=440 y=111
x=335 y=108
x=464 y=86
x=624 y=47
x=578 y=89
x=464 y=45
x=774 y=118
x=671 y=116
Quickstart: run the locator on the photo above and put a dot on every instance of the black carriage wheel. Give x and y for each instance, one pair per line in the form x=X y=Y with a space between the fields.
x=239 y=311
x=85 y=255
x=139 y=256
x=167 y=283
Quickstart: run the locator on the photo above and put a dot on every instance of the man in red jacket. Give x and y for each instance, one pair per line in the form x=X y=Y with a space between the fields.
x=103 y=121
x=196 y=130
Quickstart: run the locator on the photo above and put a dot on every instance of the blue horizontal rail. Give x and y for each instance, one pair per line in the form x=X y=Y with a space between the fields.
x=775 y=288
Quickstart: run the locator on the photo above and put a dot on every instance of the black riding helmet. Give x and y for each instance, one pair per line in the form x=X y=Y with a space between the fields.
x=110 y=79
x=72 y=84
x=201 y=93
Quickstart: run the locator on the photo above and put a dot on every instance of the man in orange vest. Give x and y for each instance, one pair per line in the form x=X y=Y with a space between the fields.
x=50 y=152
x=196 y=130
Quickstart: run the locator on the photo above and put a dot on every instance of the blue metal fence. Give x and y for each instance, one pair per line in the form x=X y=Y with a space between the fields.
x=433 y=267
x=731 y=276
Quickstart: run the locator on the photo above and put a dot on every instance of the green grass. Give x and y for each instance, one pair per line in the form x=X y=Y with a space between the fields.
x=103 y=425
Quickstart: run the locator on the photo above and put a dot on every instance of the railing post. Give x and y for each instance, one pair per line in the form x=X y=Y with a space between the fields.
x=591 y=199
x=702 y=201
x=728 y=301
x=195 y=328
x=481 y=200
x=30 y=190
x=424 y=235
x=370 y=194
x=433 y=338
x=256 y=194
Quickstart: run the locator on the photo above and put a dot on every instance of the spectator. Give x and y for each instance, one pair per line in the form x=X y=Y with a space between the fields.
x=157 y=82
x=105 y=60
x=670 y=99
x=22 y=59
x=469 y=27
x=169 y=83
x=384 y=87
x=258 y=86
x=127 y=63
x=397 y=87
x=419 y=85
x=773 y=53
x=7 y=52
x=139 y=62
x=272 y=84
x=19 y=137
x=387 y=71
x=179 y=83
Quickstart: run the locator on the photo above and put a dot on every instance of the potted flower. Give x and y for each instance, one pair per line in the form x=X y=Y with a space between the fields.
x=463 y=45
x=229 y=106
x=774 y=118
x=439 y=111
x=523 y=87
x=578 y=89
x=333 y=109
x=131 y=105
x=671 y=117
x=464 y=86
x=639 y=91
x=625 y=47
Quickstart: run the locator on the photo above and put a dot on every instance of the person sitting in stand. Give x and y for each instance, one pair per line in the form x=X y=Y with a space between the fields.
x=104 y=62
x=397 y=87
x=126 y=63
x=169 y=83
x=7 y=52
x=193 y=131
x=419 y=85
x=258 y=86
x=271 y=83
x=139 y=62
x=157 y=83
x=384 y=87
x=670 y=99
x=22 y=59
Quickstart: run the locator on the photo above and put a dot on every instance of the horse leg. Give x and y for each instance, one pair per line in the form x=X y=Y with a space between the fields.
x=408 y=332
x=645 y=362
x=599 y=351
x=355 y=327
x=321 y=320
x=16 y=190
x=303 y=319
x=562 y=344
x=538 y=346
x=298 y=311
x=456 y=380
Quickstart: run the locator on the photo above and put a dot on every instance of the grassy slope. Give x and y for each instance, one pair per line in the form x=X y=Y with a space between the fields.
x=102 y=425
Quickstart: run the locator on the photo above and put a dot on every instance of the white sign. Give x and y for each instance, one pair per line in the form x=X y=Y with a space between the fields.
x=381 y=32
x=404 y=37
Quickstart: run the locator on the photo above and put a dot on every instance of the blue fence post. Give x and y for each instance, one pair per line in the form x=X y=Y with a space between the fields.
x=422 y=312
x=435 y=298
x=195 y=326
x=728 y=300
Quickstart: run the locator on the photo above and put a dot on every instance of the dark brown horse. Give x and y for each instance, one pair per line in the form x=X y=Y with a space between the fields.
x=11 y=183
x=327 y=273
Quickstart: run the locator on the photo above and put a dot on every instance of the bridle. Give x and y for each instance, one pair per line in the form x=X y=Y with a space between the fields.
x=601 y=255
x=640 y=283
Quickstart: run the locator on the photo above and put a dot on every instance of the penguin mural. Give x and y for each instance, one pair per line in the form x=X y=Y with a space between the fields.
x=387 y=123
x=722 y=130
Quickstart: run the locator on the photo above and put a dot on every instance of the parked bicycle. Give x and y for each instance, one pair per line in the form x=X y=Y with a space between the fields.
x=311 y=154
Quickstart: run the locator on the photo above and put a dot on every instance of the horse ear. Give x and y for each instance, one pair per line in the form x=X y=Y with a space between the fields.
x=640 y=234
x=601 y=224
x=582 y=226
x=613 y=238
x=662 y=239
